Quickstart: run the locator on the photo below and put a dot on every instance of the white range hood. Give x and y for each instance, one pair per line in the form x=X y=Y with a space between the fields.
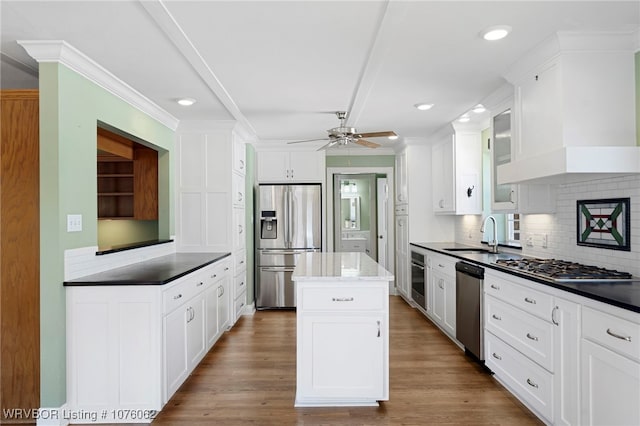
x=575 y=110
x=572 y=164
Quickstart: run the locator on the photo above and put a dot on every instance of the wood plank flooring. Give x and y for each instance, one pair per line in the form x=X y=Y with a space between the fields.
x=249 y=377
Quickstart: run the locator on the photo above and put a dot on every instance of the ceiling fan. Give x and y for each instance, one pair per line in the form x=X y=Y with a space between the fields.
x=343 y=135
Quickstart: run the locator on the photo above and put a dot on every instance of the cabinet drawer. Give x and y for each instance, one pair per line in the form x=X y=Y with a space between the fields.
x=240 y=283
x=615 y=333
x=188 y=287
x=530 y=382
x=240 y=261
x=216 y=271
x=444 y=264
x=239 y=303
x=523 y=297
x=342 y=299
x=528 y=334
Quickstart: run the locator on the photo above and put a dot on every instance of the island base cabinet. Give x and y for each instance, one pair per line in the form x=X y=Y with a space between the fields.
x=610 y=387
x=341 y=356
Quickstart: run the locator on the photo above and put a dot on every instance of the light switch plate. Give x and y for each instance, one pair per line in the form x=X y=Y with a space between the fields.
x=74 y=222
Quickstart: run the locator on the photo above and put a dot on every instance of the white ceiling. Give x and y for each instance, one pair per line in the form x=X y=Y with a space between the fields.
x=283 y=67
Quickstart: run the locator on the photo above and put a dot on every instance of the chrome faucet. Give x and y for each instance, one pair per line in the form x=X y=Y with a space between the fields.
x=494 y=243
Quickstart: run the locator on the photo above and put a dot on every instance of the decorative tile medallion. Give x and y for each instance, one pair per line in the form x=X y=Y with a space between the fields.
x=604 y=223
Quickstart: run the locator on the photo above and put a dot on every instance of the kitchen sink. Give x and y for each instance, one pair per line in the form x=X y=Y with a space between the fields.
x=468 y=250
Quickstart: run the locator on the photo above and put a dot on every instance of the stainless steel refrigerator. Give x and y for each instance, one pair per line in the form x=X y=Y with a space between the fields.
x=288 y=223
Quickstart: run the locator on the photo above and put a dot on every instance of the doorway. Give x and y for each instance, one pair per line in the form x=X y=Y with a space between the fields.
x=355 y=213
x=385 y=196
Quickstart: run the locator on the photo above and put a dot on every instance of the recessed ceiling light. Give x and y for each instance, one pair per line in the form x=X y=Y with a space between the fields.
x=393 y=137
x=186 y=101
x=464 y=119
x=479 y=109
x=496 y=32
x=423 y=107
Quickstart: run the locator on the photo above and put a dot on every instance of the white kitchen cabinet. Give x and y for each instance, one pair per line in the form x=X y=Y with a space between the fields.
x=402 y=193
x=290 y=166
x=456 y=165
x=216 y=302
x=402 y=275
x=342 y=342
x=210 y=182
x=565 y=317
x=132 y=346
x=441 y=292
x=610 y=369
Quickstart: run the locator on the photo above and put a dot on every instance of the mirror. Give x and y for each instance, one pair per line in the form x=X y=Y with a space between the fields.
x=350 y=212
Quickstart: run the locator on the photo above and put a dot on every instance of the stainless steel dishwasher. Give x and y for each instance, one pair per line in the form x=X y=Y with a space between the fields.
x=469 y=308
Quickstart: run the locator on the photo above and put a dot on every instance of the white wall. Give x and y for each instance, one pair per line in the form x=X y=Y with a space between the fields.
x=560 y=227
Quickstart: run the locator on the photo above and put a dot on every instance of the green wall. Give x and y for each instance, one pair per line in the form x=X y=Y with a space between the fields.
x=70 y=108
x=360 y=161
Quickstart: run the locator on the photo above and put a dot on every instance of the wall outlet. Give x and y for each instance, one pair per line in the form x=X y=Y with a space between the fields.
x=74 y=222
x=529 y=240
x=544 y=241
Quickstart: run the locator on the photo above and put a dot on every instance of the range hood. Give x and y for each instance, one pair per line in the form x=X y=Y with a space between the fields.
x=573 y=164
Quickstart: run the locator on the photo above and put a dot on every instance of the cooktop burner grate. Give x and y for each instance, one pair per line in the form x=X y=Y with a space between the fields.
x=561 y=270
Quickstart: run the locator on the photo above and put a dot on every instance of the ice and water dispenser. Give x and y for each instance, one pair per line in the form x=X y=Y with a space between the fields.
x=268 y=225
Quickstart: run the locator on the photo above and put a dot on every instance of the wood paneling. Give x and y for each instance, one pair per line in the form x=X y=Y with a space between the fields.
x=249 y=377
x=19 y=251
x=145 y=184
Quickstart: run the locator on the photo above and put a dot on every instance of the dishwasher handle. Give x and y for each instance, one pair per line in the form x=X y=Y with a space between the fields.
x=470 y=269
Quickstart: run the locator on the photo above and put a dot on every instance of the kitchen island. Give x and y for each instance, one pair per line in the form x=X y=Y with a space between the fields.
x=342 y=315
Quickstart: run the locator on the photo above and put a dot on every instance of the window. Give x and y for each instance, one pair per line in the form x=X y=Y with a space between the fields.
x=513 y=229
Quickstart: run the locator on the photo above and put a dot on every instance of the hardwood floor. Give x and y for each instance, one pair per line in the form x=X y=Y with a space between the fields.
x=249 y=377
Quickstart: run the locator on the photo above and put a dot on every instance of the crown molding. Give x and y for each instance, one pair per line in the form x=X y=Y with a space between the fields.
x=62 y=52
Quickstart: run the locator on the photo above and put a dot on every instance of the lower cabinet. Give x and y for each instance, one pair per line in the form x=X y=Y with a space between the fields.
x=402 y=275
x=131 y=347
x=441 y=292
x=610 y=369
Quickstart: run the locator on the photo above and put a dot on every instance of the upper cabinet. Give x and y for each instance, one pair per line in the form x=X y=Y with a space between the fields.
x=507 y=197
x=290 y=166
x=402 y=194
x=574 y=110
x=456 y=167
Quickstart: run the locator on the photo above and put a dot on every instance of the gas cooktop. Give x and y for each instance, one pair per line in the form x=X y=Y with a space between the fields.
x=563 y=271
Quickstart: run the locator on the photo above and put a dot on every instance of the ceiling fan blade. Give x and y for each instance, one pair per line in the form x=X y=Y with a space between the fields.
x=309 y=140
x=366 y=143
x=375 y=134
x=329 y=145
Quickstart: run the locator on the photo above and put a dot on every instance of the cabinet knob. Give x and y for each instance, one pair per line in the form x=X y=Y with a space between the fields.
x=177 y=296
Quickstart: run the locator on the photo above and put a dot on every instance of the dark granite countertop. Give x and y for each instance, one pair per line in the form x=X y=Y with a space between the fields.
x=623 y=294
x=157 y=271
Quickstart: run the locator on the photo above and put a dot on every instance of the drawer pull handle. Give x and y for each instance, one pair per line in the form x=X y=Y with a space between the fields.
x=532 y=384
x=342 y=299
x=441 y=284
x=553 y=315
x=496 y=356
x=242 y=262
x=241 y=283
x=177 y=296
x=441 y=265
x=494 y=316
x=529 y=336
x=532 y=301
x=618 y=336
x=378 y=328
x=199 y=284
x=214 y=276
x=495 y=287
x=226 y=269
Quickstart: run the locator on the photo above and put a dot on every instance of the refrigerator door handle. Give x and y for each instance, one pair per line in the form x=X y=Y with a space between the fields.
x=286 y=217
x=290 y=214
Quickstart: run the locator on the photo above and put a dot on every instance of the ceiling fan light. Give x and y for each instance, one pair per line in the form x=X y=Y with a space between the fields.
x=496 y=32
x=423 y=107
x=186 y=101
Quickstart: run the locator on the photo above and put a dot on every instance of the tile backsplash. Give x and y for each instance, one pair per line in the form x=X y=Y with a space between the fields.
x=560 y=227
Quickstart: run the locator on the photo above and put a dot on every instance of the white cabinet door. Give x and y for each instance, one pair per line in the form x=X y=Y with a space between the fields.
x=449 y=318
x=273 y=166
x=566 y=342
x=438 y=288
x=223 y=290
x=504 y=197
x=196 y=341
x=239 y=229
x=401 y=178
x=610 y=387
x=239 y=156
x=175 y=349
x=443 y=177
x=307 y=166
x=342 y=356
x=211 y=314
x=402 y=255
